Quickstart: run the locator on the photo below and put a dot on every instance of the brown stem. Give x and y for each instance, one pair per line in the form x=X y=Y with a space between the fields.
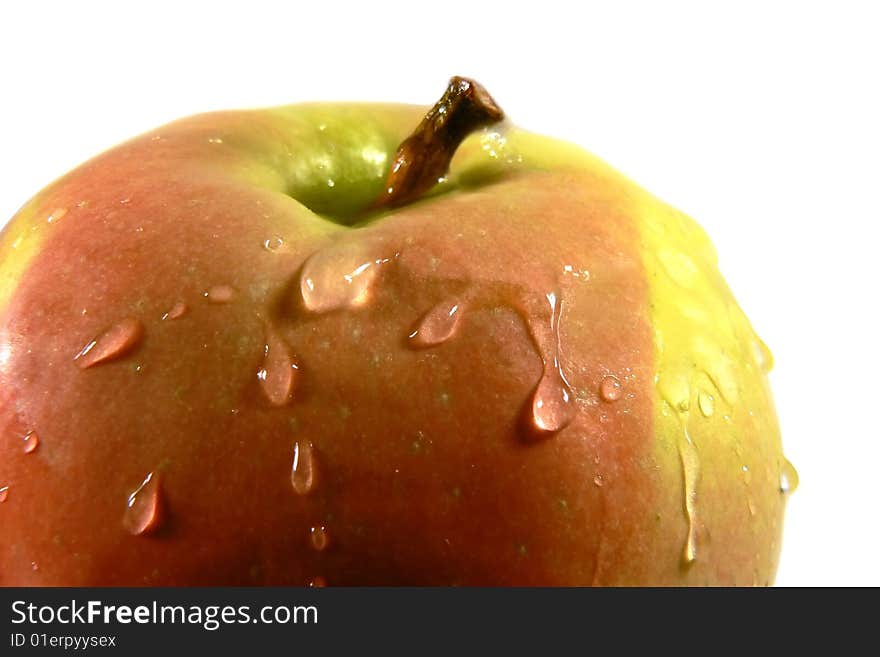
x=424 y=157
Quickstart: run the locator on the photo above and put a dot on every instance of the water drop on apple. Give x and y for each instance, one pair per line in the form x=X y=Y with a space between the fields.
x=57 y=215
x=319 y=537
x=273 y=244
x=302 y=474
x=690 y=465
x=277 y=374
x=680 y=267
x=220 y=294
x=31 y=442
x=763 y=355
x=340 y=277
x=113 y=343
x=552 y=408
x=143 y=510
x=437 y=326
x=706 y=402
x=552 y=405
x=177 y=310
x=610 y=389
x=788 y=478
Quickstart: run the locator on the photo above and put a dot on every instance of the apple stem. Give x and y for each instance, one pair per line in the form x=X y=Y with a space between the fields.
x=423 y=158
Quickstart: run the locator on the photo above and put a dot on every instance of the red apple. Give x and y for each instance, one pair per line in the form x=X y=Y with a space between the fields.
x=269 y=347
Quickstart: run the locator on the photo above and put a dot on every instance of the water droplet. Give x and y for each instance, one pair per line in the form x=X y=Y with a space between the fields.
x=319 y=538
x=437 y=326
x=4 y=493
x=57 y=215
x=747 y=475
x=495 y=145
x=706 y=402
x=116 y=341
x=177 y=310
x=569 y=270
x=680 y=267
x=763 y=355
x=5 y=354
x=339 y=277
x=690 y=465
x=551 y=403
x=721 y=370
x=31 y=442
x=143 y=512
x=318 y=582
x=552 y=408
x=220 y=294
x=273 y=244
x=277 y=375
x=752 y=508
x=788 y=478
x=610 y=388
x=302 y=475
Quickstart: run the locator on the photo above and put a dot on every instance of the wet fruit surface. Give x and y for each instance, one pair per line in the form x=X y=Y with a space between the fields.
x=455 y=392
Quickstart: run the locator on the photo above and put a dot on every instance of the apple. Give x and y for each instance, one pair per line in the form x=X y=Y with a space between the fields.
x=359 y=344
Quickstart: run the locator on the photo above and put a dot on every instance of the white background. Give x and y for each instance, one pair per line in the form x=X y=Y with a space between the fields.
x=758 y=119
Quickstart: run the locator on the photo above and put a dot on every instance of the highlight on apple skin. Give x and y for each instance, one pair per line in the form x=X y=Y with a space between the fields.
x=365 y=344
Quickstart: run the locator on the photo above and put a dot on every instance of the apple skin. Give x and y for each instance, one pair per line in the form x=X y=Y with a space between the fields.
x=416 y=465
